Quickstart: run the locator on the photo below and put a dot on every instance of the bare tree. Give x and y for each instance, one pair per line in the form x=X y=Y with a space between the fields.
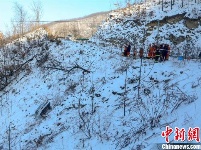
x=20 y=18
x=75 y=30
x=128 y=3
x=15 y=28
x=37 y=10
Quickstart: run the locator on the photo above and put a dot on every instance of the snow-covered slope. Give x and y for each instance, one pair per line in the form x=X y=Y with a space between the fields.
x=145 y=23
x=98 y=79
x=99 y=99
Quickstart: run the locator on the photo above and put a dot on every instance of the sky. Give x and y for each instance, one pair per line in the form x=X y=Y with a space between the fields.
x=55 y=9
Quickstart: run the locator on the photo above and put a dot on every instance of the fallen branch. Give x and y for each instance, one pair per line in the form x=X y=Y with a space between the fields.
x=66 y=70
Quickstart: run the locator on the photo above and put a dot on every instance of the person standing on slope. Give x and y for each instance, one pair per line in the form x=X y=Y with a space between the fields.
x=134 y=53
x=165 y=52
x=141 y=52
x=125 y=50
x=128 y=49
x=157 y=55
x=200 y=56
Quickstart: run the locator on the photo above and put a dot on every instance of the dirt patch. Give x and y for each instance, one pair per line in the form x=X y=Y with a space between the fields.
x=191 y=23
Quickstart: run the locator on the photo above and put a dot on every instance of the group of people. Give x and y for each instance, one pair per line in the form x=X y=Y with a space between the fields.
x=158 y=53
x=127 y=49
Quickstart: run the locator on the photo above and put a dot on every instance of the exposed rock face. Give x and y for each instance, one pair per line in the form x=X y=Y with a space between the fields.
x=168 y=19
x=78 y=28
x=173 y=20
x=180 y=28
x=176 y=40
x=190 y=23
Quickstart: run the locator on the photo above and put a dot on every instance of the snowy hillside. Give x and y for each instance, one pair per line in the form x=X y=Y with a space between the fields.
x=146 y=23
x=62 y=95
x=88 y=87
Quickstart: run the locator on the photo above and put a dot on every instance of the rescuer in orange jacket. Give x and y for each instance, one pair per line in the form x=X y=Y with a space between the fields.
x=151 y=51
x=141 y=52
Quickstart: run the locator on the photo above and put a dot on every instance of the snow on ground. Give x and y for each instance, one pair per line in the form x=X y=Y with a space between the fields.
x=89 y=85
x=68 y=127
